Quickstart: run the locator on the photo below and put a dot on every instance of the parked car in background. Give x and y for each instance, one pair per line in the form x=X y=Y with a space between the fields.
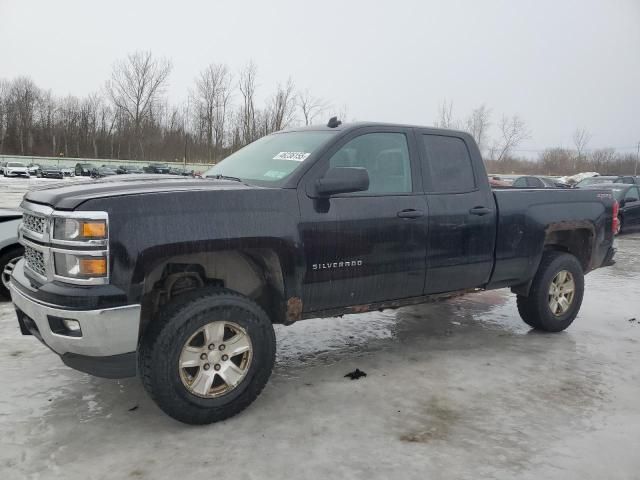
x=33 y=168
x=531 y=181
x=128 y=169
x=10 y=250
x=84 y=169
x=496 y=181
x=67 y=171
x=16 y=169
x=626 y=179
x=181 y=171
x=156 y=168
x=50 y=171
x=628 y=197
x=102 y=171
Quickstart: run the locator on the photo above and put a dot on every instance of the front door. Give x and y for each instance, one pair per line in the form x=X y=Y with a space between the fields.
x=367 y=246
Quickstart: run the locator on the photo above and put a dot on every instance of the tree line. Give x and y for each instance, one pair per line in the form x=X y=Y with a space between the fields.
x=131 y=118
x=509 y=131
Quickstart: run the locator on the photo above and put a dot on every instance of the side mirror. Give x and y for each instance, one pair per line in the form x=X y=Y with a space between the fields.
x=342 y=180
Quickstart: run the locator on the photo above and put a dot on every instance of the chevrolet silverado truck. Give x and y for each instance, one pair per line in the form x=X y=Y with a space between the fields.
x=180 y=280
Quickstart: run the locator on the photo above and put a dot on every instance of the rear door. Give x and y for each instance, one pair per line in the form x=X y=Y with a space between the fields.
x=462 y=214
x=367 y=246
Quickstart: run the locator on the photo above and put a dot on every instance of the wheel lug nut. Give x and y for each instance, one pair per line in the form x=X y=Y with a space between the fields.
x=216 y=367
x=225 y=357
x=203 y=356
x=206 y=366
x=211 y=346
x=221 y=347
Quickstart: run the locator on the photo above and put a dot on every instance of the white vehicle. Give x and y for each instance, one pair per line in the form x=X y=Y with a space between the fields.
x=67 y=171
x=16 y=169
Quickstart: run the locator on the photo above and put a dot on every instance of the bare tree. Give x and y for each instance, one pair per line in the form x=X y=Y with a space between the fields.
x=581 y=138
x=212 y=95
x=445 y=115
x=24 y=95
x=247 y=87
x=478 y=124
x=281 y=109
x=513 y=130
x=310 y=106
x=48 y=110
x=4 y=111
x=136 y=84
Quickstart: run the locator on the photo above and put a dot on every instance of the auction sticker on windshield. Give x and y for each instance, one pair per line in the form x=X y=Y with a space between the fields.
x=295 y=156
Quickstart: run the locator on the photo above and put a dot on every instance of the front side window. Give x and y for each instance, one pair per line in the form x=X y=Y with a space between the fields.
x=273 y=158
x=449 y=164
x=384 y=155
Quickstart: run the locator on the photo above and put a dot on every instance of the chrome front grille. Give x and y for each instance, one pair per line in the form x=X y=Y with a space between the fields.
x=34 y=223
x=35 y=260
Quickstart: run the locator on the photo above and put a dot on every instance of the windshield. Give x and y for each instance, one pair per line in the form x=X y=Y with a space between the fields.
x=15 y=164
x=272 y=158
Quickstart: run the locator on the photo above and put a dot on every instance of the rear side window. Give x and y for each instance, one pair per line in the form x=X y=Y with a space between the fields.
x=449 y=164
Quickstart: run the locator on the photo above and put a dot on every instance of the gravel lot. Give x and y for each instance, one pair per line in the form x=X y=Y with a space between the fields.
x=459 y=389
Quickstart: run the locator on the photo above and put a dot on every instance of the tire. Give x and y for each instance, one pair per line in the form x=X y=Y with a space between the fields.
x=8 y=257
x=535 y=309
x=160 y=351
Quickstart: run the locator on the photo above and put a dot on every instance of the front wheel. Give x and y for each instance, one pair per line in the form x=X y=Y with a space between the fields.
x=208 y=356
x=555 y=295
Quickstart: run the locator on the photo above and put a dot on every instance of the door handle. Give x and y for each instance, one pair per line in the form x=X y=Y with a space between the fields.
x=480 y=211
x=410 y=213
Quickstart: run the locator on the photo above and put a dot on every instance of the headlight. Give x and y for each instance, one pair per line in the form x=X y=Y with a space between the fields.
x=78 y=229
x=80 y=266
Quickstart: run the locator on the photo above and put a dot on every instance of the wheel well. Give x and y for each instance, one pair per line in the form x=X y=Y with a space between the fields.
x=578 y=242
x=254 y=273
x=8 y=248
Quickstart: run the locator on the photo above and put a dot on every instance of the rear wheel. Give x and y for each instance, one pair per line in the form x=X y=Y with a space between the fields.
x=208 y=356
x=556 y=293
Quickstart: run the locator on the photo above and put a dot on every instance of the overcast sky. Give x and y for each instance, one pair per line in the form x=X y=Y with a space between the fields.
x=558 y=64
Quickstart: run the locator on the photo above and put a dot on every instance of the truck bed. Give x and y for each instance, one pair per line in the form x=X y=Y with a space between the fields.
x=527 y=216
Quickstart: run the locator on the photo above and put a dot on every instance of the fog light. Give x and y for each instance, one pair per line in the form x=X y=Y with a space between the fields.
x=71 y=325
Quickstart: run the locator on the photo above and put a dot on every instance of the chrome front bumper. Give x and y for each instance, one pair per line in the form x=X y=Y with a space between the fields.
x=105 y=332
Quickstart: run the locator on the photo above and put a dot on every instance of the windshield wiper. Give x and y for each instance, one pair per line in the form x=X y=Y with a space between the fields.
x=225 y=177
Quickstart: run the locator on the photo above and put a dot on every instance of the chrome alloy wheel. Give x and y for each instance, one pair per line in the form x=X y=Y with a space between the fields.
x=215 y=359
x=561 y=293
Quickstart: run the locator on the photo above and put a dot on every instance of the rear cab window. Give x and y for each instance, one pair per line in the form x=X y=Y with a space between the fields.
x=449 y=168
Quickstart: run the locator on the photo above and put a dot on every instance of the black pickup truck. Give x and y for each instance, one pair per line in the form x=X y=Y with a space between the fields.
x=180 y=280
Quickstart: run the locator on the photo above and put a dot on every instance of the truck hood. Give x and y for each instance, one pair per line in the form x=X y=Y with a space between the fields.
x=68 y=196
